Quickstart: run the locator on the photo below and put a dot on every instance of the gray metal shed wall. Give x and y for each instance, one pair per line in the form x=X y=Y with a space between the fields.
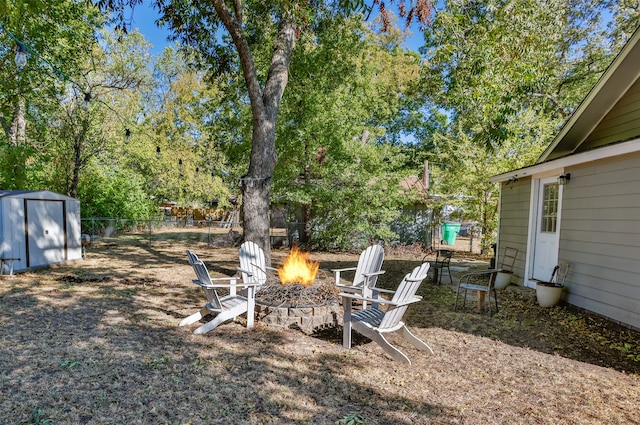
x=13 y=242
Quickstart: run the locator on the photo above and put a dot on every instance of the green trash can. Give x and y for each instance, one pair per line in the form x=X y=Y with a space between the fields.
x=450 y=230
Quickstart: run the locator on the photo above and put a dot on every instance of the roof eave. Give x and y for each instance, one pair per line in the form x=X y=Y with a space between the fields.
x=571 y=160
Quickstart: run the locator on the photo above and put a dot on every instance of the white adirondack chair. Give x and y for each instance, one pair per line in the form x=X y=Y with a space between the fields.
x=375 y=323
x=252 y=275
x=366 y=273
x=253 y=267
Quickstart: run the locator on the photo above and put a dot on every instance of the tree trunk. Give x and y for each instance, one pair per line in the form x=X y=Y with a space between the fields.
x=308 y=215
x=17 y=131
x=77 y=165
x=17 y=136
x=79 y=145
x=255 y=206
x=256 y=184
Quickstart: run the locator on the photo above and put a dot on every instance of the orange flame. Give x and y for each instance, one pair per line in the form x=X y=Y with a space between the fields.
x=298 y=269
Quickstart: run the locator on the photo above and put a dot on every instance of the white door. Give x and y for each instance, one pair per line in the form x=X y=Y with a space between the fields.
x=547 y=237
x=45 y=226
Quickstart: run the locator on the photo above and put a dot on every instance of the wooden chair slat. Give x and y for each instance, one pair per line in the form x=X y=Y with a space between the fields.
x=366 y=272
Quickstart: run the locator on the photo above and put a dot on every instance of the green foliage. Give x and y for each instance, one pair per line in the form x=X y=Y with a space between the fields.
x=506 y=74
x=68 y=364
x=185 y=129
x=13 y=173
x=121 y=194
x=352 y=419
x=51 y=34
x=495 y=81
x=489 y=62
x=346 y=87
x=37 y=419
x=626 y=19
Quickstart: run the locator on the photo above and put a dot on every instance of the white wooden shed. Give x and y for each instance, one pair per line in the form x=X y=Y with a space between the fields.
x=39 y=228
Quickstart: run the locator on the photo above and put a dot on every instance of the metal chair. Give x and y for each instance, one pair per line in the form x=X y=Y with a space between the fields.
x=443 y=259
x=483 y=283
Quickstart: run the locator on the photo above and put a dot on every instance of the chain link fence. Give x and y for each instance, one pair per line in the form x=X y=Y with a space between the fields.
x=420 y=231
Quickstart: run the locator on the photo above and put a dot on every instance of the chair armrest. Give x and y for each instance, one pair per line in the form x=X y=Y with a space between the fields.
x=232 y=281
x=224 y=285
x=361 y=298
x=250 y=273
x=479 y=273
x=367 y=275
x=386 y=291
x=348 y=288
x=344 y=270
x=265 y=267
x=413 y=299
x=414 y=279
x=244 y=285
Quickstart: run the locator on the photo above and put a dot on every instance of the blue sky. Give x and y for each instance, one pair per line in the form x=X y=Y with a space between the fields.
x=143 y=19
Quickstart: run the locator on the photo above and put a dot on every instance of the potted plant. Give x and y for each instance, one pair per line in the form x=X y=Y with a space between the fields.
x=549 y=293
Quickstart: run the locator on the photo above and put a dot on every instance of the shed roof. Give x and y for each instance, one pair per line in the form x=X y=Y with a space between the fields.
x=34 y=194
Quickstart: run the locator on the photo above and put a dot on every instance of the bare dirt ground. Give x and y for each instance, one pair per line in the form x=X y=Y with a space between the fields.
x=97 y=342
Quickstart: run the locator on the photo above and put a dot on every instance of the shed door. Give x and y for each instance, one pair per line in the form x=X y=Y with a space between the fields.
x=547 y=240
x=45 y=227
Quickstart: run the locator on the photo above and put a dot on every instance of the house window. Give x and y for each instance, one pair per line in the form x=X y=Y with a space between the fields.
x=549 y=217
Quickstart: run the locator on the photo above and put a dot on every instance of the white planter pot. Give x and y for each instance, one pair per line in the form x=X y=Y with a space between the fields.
x=503 y=279
x=548 y=294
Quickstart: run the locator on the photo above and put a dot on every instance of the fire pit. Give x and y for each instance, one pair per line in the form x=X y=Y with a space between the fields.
x=299 y=297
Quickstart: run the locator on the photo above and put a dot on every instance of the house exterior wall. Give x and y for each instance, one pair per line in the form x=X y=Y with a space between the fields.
x=600 y=237
x=514 y=222
x=621 y=123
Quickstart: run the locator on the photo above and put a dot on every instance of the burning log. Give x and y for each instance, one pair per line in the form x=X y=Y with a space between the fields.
x=298 y=269
x=320 y=292
x=299 y=296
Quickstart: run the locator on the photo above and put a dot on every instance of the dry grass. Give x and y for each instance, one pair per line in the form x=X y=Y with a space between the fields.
x=98 y=342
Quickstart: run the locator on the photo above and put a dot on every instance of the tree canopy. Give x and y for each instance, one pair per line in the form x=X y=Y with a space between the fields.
x=304 y=104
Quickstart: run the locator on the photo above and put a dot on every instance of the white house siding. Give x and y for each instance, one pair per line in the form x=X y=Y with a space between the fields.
x=514 y=222
x=600 y=237
x=621 y=123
